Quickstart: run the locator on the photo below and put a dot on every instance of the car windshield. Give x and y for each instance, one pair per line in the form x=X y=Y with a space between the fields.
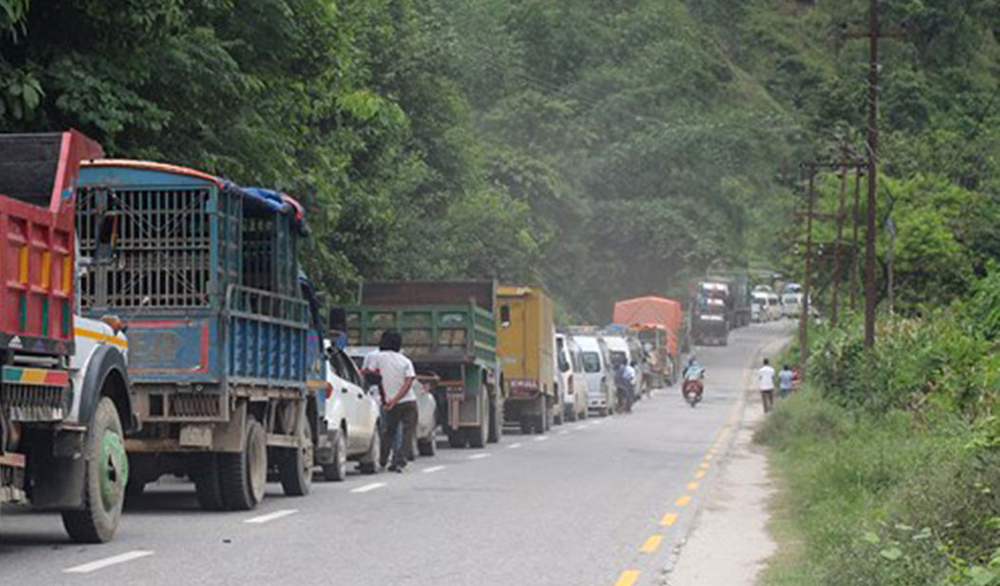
x=591 y=362
x=561 y=355
x=618 y=356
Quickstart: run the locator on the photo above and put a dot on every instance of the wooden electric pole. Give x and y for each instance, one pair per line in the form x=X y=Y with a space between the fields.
x=854 y=237
x=835 y=309
x=804 y=315
x=870 y=300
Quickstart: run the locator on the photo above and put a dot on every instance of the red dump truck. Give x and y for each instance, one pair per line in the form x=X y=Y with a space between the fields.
x=65 y=400
x=658 y=321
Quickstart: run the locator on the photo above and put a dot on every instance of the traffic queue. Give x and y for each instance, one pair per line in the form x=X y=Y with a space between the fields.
x=157 y=321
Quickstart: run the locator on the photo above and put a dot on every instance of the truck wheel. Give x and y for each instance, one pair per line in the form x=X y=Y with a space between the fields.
x=479 y=435
x=496 y=423
x=105 y=478
x=296 y=465
x=456 y=438
x=244 y=475
x=369 y=462
x=204 y=471
x=337 y=471
x=427 y=446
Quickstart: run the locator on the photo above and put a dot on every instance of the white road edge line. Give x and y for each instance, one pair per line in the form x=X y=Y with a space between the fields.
x=564 y=432
x=541 y=438
x=111 y=561
x=272 y=516
x=432 y=469
x=368 y=487
x=479 y=456
x=513 y=446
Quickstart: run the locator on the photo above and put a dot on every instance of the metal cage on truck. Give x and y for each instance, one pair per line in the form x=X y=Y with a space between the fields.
x=205 y=274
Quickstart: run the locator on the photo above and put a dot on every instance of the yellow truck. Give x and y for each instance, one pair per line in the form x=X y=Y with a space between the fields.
x=525 y=342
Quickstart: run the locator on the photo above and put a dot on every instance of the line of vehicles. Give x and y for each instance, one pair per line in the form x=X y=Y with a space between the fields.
x=768 y=305
x=156 y=321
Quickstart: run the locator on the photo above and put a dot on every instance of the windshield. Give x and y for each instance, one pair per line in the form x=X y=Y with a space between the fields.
x=591 y=362
x=617 y=356
x=561 y=355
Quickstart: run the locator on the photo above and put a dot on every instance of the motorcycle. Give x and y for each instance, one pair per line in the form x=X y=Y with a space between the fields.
x=693 y=387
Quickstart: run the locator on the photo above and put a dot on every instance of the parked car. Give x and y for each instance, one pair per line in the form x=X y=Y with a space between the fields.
x=570 y=378
x=352 y=418
x=427 y=426
x=791 y=304
x=600 y=383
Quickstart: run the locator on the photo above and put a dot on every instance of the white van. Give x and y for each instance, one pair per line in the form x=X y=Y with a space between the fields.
x=571 y=378
x=759 y=310
x=600 y=383
x=774 y=309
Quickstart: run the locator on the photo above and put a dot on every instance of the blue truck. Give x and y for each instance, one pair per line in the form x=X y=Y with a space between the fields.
x=226 y=369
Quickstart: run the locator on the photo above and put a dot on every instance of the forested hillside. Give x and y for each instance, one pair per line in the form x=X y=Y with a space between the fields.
x=600 y=147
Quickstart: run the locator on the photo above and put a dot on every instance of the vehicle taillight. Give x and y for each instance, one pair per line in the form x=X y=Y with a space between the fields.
x=569 y=385
x=328 y=389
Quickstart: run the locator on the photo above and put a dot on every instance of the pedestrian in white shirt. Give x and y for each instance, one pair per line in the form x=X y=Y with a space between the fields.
x=400 y=407
x=765 y=382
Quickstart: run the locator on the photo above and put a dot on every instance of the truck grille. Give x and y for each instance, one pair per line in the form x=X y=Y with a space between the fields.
x=183 y=405
x=34 y=402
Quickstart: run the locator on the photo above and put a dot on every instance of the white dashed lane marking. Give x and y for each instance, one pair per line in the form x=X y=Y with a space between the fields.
x=271 y=516
x=479 y=456
x=513 y=446
x=106 y=562
x=368 y=487
x=432 y=469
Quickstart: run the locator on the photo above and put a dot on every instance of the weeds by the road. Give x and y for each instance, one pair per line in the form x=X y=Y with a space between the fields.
x=888 y=461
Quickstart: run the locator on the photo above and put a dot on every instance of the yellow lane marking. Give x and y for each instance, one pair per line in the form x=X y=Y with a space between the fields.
x=704 y=465
x=100 y=337
x=652 y=544
x=692 y=486
x=627 y=578
x=683 y=501
x=699 y=474
x=708 y=458
x=668 y=519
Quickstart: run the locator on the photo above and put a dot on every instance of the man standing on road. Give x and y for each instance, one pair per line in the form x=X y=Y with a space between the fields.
x=400 y=407
x=785 y=381
x=765 y=382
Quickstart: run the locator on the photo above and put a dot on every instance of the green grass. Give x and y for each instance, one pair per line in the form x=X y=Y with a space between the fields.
x=876 y=501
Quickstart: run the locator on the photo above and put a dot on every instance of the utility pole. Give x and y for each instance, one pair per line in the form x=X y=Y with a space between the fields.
x=890 y=228
x=804 y=316
x=872 y=175
x=840 y=234
x=854 y=237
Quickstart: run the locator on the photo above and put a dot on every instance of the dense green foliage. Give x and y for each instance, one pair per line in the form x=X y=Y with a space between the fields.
x=600 y=148
x=892 y=457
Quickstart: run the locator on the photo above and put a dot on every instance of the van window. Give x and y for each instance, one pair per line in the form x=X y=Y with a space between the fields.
x=561 y=355
x=591 y=362
x=618 y=356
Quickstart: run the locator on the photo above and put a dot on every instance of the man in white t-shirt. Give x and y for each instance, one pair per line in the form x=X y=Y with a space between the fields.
x=400 y=406
x=765 y=382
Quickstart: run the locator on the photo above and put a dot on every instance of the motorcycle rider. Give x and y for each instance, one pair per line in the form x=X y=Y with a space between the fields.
x=695 y=375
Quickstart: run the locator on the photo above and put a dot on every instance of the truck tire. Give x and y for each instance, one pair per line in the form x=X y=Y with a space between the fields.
x=296 y=465
x=337 y=470
x=105 y=478
x=369 y=462
x=456 y=438
x=427 y=447
x=204 y=471
x=480 y=434
x=243 y=475
x=496 y=423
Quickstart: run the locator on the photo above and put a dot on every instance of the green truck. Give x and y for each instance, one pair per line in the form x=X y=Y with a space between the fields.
x=449 y=332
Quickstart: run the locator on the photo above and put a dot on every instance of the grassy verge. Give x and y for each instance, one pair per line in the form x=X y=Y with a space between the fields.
x=897 y=498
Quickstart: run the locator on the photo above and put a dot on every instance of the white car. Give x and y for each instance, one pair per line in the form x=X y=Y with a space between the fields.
x=570 y=378
x=427 y=424
x=791 y=304
x=352 y=418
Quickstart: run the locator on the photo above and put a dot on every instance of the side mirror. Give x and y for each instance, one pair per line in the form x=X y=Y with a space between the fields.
x=505 y=316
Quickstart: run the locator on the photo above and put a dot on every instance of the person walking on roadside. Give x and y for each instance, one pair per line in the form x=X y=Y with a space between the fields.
x=765 y=382
x=400 y=408
x=785 y=381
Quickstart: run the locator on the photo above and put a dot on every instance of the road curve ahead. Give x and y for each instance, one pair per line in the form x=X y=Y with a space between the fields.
x=600 y=502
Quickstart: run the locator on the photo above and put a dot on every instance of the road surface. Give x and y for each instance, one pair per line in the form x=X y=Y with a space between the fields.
x=600 y=502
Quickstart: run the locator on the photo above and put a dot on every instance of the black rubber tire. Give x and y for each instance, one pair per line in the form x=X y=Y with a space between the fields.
x=369 y=462
x=295 y=465
x=337 y=470
x=427 y=446
x=496 y=423
x=456 y=438
x=478 y=436
x=243 y=475
x=204 y=471
x=97 y=521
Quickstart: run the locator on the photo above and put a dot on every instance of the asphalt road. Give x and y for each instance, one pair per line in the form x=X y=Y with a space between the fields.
x=602 y=502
